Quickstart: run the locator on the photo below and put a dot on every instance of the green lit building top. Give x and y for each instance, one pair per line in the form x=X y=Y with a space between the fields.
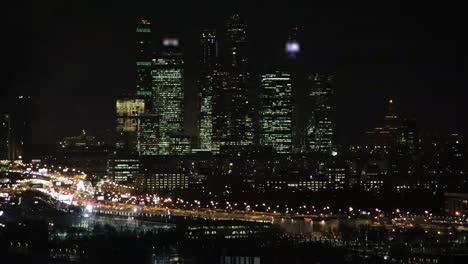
x=143 y=61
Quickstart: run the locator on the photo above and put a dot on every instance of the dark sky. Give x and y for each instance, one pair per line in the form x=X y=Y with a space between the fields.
x=75 y=57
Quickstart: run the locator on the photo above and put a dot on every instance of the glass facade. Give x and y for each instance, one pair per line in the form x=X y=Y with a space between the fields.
x=143 y=61
x=232 y=110
x=209 y=54
x=168 y=97
x=320 y=126
x=276 y=112
x=128 y=113
x=148 y=135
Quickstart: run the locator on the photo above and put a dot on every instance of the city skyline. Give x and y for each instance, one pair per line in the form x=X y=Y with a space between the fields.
x=363 y=88
x=265 y=133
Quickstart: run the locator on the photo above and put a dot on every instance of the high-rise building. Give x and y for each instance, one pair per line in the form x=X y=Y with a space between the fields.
x=143 y=62
x=231 y=95
x=148 y=135
x=220 y=110
x=391 y=132
x=15 y=128
x=168 y=93
x=320 y=125
x=236 y=41
x=208 y=64
x=294 y=64
x=408 y=137
x=292 y=47
x=276 y=111
x=6 y=143
x=128 y=113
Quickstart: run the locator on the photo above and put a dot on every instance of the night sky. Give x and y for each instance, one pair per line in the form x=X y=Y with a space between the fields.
x=76 y=57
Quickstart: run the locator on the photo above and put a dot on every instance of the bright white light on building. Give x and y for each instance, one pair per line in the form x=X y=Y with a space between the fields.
x=80 y=186
x=170 y=42
x=292 y=48
x=89 y=208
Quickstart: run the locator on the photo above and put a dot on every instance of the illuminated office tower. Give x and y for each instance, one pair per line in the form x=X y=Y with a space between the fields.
x=221 y=110
x=320 y=127
x=276 y=111
x=148 y=135
x=143 y=62
x=208 y=59
x=128 y=113
x=237 y=110
x=180 y=144
x=168 y=94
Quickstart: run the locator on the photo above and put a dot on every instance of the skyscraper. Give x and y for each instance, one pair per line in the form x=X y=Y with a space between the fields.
x=148 y=135
x=5 y=138
x=320 y=126
x=236 y=44
x=168 y=94
x=390 y=133
x=276 y=111
x=128 y=113
x=221 y=107
x=292 y=47
x=143 y=62
x=208 y=64
x=16 y=131
x=294 y=64
x=235 y=108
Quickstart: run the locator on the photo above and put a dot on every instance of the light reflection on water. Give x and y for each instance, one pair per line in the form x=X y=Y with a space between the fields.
x=117 y=223
x=318 y=227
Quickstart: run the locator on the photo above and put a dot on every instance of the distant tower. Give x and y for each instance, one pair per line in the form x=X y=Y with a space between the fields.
x=276 y=111
x=6 y=143
x=320 y=125
x=168 y=94
x=208 y=65
x=392 y=119
x=237 y=130
x=148 y=131
x=236 y=44
x=292 y=47
x=128 y=112
x=16 y=134
x=393 y=130
x=294 y=64
x=143 y=62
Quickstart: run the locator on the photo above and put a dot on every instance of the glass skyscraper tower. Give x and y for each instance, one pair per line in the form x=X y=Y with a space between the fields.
x=320 y=127
x=231 y=103
x=276 y=111
x=143 y=62
x=208 y=65
x=168 y=95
